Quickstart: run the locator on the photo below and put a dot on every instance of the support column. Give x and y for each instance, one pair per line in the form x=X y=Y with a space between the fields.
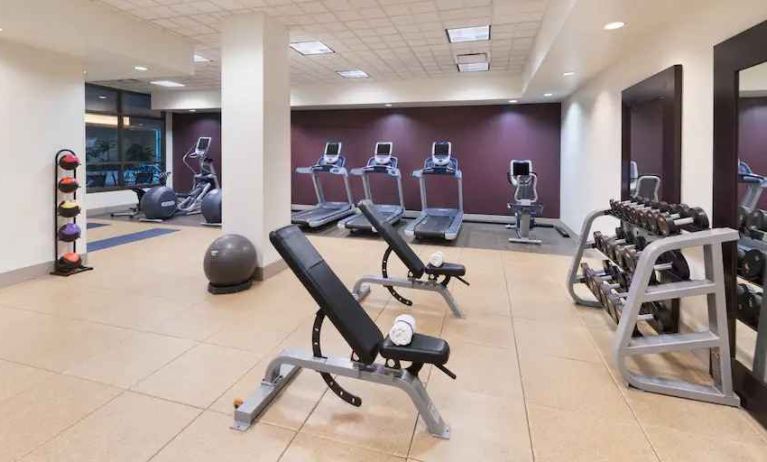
x=255 y=132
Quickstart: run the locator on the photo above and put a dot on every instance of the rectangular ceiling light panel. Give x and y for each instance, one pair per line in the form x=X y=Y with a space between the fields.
x=353 y=74
x=474 y=67
x=311 y=48
x=167 y=83
x=468 y=34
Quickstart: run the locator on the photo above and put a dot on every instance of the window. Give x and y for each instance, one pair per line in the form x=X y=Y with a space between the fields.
x=125 y=140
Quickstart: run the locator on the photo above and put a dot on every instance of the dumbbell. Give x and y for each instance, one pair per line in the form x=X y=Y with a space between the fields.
x=672 y=262
x=688 y=218
x=751 y=263
x=742 y=218
x=650 y=219
x=593 y=278
x=625 y=257
x=749 y=304
x=624 y=208
x=636 y=215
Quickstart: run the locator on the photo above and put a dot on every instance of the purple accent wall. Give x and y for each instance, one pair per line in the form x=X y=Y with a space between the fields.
x=647 y=138
x=753 y=138
x=485 y=139
x=186 y=129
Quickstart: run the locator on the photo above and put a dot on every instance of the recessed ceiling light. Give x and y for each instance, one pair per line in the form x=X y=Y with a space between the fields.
x=513 y=101
x=167 y=83
x=201 y=59
x=568 y=74
x=311 y=48
x=141 y=68
x=468 y=34
x=614 y=25
x=474 y=67
x=353 y=74
x=1 y=29
x=102 y=97
x=388 y=105
x=471 y=58
x=548 y=94
x=193 y=110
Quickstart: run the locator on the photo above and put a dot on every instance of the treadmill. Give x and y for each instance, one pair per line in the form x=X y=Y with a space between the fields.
x=325 y=212
x=438 y=223
x=382 y=163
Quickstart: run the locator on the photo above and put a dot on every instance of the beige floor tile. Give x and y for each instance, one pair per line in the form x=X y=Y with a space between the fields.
x=384 y=422
x=309 y=448
x=41 y=412
x=199 y=322
x=480 y=424
x=572 y=436
x=677 y=446
x=199 y=376
x=480 y=369
x=16 y=378
x=130 y=428
x=484 y=329
x=290 y=409
x=542 y=338
x=248 y=336
x=573 y=385
x=135 y=359
x=704 y=419
x=210 y=438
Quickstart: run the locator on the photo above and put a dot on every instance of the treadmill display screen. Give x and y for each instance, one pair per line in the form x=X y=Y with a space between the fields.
x=383 y=149
x=442 y=149
x=520 y=168
x=202 y=144
x=332 y=149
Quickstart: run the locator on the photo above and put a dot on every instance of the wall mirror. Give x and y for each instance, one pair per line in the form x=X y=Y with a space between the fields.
x=740 y=178
x=652 y=137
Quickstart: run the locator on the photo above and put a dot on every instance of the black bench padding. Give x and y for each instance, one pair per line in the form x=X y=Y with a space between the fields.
x=422 y=349
x=351 y=320
x=447 y=269
x=393 y=238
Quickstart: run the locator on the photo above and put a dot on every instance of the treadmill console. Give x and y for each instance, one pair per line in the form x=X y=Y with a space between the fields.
x=520 y=167
x=383 y=152
x=332 y=153
x=441 y=161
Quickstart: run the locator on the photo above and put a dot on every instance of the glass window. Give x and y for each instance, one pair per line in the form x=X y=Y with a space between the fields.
x=100 y=99
x=123 y=151
x=138 y=104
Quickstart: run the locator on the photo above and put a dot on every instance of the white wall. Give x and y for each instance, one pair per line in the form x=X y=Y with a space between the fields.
x=591 y=117
x=42 y=106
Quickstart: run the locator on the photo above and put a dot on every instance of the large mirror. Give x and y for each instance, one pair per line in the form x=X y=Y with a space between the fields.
x=740 y=178
x=652 y=137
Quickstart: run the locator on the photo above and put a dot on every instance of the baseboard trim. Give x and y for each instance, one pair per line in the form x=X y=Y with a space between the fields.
x=107 y=210
x=272 y=269
x=25 y=274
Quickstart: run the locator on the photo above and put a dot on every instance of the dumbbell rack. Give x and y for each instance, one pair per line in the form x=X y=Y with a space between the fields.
x=760 y=352
x=716 y=338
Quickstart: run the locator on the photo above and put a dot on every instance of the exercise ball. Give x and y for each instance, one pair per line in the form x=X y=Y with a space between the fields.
x=69 y=209
x=70 y=232
x=69 y=161
x=158 y=203
x=230 y=264
x=211 y=206
x=70 y=261
x=68 y=184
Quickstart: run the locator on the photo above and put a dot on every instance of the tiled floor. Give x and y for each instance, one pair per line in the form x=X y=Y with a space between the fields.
x=135 y=361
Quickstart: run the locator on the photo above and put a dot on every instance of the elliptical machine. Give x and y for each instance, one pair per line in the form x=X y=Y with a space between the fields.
x=525 y=206
x=161 y=202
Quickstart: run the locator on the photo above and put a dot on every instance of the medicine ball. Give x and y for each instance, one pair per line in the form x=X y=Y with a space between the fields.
x=158 y=203
x=211 y=206
x=69 y=161
x=230 y=264
x=68 y=184
x=69 y=209
x=68 y=262
x=70 y=232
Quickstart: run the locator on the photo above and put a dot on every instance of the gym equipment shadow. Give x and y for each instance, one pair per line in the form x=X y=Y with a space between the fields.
x=491 y=236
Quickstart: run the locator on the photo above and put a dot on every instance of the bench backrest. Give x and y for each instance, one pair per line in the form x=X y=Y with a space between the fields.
x=393 y=238
x=334 y=299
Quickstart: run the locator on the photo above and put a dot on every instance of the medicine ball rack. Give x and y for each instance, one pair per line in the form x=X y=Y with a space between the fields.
x=59 y=269
x=657 y=228
x=752 y=271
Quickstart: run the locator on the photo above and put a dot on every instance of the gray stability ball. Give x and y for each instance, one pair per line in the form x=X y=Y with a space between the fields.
x=230 y=264
x=158 y=203
x=211 y=207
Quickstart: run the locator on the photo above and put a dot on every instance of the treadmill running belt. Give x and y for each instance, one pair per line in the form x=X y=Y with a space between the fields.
x=434 y=225
x=361 y=222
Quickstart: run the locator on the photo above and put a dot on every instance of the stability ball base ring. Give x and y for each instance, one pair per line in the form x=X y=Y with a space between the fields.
x=221 y=290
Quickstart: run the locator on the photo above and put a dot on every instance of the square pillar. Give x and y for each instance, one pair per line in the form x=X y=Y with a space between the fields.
x=255 y=132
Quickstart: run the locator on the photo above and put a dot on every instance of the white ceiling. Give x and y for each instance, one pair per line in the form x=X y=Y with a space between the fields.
x=388 y=39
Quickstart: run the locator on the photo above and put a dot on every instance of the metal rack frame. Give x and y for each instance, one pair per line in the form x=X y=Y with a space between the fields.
x=715 y=338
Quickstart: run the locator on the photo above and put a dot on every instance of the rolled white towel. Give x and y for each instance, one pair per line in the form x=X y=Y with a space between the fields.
x=437 y=258
x=402 y=331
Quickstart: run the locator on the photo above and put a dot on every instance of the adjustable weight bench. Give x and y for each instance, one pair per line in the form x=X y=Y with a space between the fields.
x=359 y=331
x=416 y=268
